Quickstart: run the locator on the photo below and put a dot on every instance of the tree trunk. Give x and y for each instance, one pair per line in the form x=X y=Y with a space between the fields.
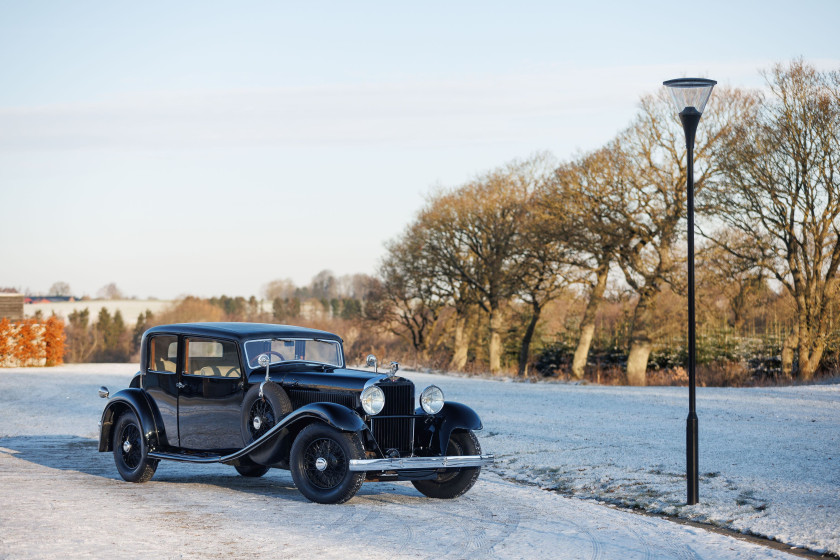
x=810 y=354
x=462 y=342
x=791 y=342
x=495 y=340
x=640 y=342
x=525 y=348
x=587 y=325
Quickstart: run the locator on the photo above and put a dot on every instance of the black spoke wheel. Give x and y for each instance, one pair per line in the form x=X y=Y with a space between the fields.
x=131 y=451
x=261 y=418
x=259 y=415
x=451 y=483
x=320 y=464
x=324 y=463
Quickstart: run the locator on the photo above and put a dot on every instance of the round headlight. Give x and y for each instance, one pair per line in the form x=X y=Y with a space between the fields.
x=431 y=399
x=373 y=399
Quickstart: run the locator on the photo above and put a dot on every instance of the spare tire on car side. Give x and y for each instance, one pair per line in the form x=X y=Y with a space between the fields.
x=260 y=414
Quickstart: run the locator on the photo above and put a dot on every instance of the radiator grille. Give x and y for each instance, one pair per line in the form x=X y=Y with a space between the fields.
x=395 y=433
x=301 y=397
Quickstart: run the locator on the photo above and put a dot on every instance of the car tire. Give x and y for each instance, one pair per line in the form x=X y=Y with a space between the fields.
x=131 y=453
x=251 y=470
x=320 y=464
x=452 y=483
x=269 y=409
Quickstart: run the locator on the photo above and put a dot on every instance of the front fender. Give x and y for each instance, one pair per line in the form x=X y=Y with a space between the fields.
x=338 y=416
x=274 y=446
x=455 y=416
x=136 y=401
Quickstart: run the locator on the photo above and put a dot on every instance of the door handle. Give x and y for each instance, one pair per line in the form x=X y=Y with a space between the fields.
x=180 y=385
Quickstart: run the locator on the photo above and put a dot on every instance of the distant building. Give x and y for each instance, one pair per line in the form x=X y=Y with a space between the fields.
x=11 y=306
x=48 y=299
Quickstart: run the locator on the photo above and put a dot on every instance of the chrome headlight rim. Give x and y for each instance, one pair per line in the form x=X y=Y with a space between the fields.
x=432 y=399
x=373 y=400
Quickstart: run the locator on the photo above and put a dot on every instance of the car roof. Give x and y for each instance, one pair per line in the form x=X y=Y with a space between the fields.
x=243 y=331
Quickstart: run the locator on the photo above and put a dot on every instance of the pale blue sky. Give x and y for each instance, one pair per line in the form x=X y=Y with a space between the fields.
x=209 y=147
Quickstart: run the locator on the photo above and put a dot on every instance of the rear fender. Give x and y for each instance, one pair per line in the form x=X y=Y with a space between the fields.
x=134 y=400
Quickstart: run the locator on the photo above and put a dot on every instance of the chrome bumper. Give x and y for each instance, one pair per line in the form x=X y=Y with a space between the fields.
x=411 y=463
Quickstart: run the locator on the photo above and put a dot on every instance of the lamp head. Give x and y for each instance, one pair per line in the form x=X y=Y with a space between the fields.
x=690 y=93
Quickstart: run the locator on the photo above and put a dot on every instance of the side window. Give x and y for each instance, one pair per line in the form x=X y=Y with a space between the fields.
x=212 y=358
x=163 y=353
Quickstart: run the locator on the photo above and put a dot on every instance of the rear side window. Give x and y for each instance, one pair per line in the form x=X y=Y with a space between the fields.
x=163 y=353
x=212 y=358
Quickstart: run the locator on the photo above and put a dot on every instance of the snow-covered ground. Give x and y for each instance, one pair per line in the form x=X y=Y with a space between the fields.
x=769 y=459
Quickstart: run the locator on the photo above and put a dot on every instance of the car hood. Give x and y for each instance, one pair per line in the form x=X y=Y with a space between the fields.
x=314 y=378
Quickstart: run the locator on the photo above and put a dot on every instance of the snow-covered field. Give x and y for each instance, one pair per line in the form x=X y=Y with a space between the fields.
x=769 y=459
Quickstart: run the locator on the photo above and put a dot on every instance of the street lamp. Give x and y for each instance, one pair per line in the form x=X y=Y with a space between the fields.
x=690 y=96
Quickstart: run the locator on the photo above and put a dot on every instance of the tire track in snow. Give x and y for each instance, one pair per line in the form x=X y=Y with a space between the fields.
x=594 y=542
x=491 y=531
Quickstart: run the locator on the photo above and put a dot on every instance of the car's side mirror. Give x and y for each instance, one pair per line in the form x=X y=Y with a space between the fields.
x=371 y=362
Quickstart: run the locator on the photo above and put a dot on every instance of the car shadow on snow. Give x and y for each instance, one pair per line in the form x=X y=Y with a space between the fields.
x=77 y=454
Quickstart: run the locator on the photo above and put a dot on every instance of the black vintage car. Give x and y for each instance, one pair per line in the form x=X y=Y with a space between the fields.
x=259 y=396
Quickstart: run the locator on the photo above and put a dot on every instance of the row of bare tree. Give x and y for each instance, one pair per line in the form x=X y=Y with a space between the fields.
x=767 y=184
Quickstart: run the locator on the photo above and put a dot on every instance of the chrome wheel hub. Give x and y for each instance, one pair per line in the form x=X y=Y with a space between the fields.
x=257 y=422
x=321 y=464
x=126 y=446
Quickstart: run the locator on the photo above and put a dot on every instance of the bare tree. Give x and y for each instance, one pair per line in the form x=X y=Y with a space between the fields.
x=577 y=205
x=474 y=236
x=282 y=289
x=60 y=289
x=650 y=203
x=782 y=189
x=109 y=291
x=323 y=285
x=407 y=296
x=734 y=275
x=543 y=275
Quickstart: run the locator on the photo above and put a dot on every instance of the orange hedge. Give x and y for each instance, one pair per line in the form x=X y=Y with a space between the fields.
x=30 y=343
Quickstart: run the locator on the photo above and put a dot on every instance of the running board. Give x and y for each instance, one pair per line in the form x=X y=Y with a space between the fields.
x=414 y=463
x=187 y=458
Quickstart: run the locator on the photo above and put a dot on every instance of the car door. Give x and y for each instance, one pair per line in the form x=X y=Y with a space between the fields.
x=210 y=395
x=160 y=380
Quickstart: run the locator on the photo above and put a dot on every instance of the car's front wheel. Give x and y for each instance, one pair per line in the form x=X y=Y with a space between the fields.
x=452 y=483
x=131 y=453
x=320 y=464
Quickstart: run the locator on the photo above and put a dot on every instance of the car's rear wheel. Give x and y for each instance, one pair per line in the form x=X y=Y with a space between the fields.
x=320 y=464
x=452 y=483
x=131 y=454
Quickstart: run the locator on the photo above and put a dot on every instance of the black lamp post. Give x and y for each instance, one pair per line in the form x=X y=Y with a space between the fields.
x=690 y=96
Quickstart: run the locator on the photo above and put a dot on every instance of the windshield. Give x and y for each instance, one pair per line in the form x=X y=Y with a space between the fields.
x=294 y=350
